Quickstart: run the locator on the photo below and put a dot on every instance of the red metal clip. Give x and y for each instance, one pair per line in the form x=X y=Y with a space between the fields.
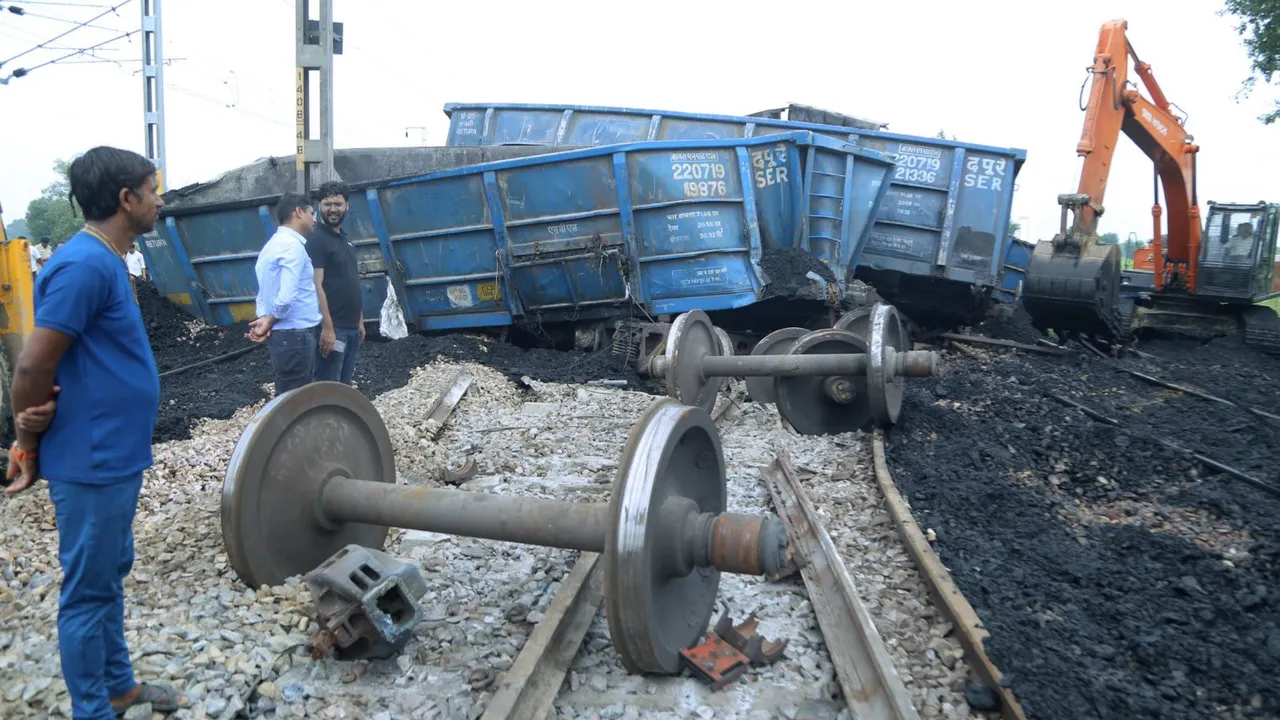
x=745 y=639
x=715 y=661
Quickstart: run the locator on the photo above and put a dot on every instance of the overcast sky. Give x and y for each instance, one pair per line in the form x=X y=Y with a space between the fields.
x=998 y=73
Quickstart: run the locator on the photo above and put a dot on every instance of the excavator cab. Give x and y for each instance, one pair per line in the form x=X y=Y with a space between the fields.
x=1238 y=252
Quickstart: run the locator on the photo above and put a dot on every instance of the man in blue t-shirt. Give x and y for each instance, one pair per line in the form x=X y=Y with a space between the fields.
x=89 y=341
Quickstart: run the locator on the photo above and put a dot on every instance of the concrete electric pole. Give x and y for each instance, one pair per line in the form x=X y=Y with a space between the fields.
x=153 y=88
x=318 y=42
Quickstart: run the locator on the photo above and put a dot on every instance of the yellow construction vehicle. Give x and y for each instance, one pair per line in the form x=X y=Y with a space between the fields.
x=17 y=313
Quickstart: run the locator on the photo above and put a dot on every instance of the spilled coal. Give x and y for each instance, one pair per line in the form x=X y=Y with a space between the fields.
x=792 y=271
x=218 y=390
x=1117 y=578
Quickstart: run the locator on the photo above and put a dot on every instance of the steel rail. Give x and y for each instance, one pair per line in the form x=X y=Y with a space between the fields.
x=444 y=405
x=1185 y=389
x=980 y=340
x=1208 y=462
x=872 y=688
x=212 y=360
x=946 y=593
x=1200 y=394
x=528 y=689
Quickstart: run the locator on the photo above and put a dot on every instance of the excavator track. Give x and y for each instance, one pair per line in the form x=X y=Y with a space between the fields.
x=1262 y=329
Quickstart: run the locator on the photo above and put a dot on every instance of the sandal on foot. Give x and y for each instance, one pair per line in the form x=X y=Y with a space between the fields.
x=162 y=698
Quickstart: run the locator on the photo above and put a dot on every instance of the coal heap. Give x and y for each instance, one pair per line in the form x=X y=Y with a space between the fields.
x=1095 y=556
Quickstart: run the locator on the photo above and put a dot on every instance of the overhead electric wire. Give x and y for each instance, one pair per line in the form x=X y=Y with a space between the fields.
x=63 y=4
x=69 y=48
x=60 y=36
x=23 y=72
x=95 y=60
x=65 y=20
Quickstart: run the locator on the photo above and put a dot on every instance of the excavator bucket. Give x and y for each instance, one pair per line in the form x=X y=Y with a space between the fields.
x=1075 y=289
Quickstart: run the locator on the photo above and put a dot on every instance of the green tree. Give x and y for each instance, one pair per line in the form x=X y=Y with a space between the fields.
x=1130 y=246
x=942 y=135
x=1014 y=228
x=53 y=214
x=1109 y=239
x=17 y=228
x=1259 y=25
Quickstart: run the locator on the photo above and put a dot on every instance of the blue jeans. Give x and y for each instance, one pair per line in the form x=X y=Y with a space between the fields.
x=339 y=366
x=95 y=547
x=293 y=357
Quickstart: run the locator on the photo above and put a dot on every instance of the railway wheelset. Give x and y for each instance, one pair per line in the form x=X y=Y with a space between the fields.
x=314 y=473
x=844 y=378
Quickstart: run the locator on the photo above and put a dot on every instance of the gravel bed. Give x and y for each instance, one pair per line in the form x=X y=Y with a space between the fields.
x=191 y=622
x=1118 y=578
x=486 y=596
x=844 y=491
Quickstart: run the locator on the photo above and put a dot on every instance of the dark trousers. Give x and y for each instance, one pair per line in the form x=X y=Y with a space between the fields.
x=293 y=357
x=339 y=366
x=95 y=547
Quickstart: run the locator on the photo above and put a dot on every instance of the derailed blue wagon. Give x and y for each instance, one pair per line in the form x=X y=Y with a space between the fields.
x=600 y=232
x=939 y=245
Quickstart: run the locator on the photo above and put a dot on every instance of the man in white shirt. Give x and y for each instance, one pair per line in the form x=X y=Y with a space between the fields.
x=288 y=306
x=137 y=266
x=40 y=254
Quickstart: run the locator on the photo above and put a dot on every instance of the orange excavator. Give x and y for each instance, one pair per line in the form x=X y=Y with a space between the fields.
x=1199 y=280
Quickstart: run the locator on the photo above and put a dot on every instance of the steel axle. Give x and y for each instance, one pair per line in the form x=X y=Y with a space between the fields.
x=691 y=539
x=314 y=472
x=911 y=363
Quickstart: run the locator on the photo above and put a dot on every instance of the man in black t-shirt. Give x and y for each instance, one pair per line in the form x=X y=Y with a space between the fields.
x=338 y=286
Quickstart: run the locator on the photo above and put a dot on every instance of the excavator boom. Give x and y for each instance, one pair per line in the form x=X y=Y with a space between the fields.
x=1073 y=282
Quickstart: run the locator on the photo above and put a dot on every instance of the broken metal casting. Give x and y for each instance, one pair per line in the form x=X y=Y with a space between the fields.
x=366 y=604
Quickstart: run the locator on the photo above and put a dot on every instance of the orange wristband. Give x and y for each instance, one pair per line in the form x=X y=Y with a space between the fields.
x=20 y=455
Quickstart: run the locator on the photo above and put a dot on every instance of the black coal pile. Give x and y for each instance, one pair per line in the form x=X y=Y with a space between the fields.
x=385 y=365
x=218 y=390
x=211 y=391
x=1122 y=616
x=1015 y=326
x=178 y=339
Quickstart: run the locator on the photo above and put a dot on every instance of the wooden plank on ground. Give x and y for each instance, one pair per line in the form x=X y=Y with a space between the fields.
x=448 y=400
x=529 y=688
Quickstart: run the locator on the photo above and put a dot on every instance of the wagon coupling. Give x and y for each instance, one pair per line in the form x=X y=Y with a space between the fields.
x=314 y=472
x=825 y=381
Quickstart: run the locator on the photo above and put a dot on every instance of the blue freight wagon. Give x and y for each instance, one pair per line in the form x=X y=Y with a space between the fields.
x=202 y=253
x=596 y=232
x=939 y=245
